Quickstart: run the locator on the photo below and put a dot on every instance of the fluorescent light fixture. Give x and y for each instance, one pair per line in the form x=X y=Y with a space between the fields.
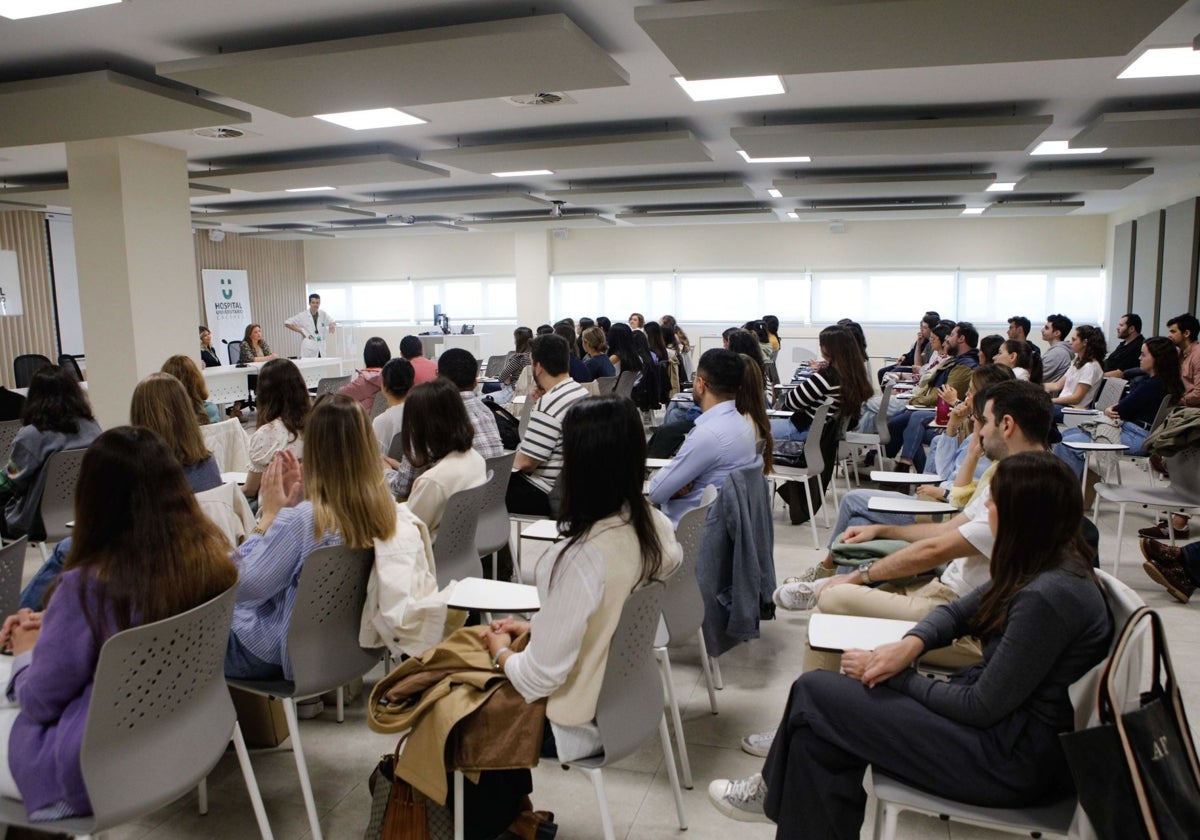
x=797 y=159
x=792 y=214
x=310 y=189
x=707 y=90
x=20 y=9
x=1002 y=186
x=1165 y=61
x=1060 y=147
x=374 y=118
x=774 y=193
x=973 y=211
x=523 y=173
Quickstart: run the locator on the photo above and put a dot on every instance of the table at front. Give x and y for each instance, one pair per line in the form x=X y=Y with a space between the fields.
x=228 y=383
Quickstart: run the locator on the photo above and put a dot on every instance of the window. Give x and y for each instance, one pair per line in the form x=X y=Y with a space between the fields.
x=881 y=297
x=465 y=300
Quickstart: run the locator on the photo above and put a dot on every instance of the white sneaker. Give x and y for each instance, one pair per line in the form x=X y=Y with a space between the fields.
x=740 y=799
x=812 y=574
x=800 y=595
x=758 y=743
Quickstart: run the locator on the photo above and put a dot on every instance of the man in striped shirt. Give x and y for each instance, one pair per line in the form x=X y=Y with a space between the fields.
x=539 y=457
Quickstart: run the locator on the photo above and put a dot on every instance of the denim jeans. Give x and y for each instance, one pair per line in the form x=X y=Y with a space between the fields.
x=782 y=428
x=1132 y=435
x=34 y=593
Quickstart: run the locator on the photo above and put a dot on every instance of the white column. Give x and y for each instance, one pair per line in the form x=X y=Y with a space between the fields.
x=532 y=264
x=136 y=264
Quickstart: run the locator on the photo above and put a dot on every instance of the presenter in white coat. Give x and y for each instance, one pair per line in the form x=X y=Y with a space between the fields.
x=314 y=326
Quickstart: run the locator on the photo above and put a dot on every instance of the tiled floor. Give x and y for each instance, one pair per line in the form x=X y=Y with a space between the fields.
x=757 y=676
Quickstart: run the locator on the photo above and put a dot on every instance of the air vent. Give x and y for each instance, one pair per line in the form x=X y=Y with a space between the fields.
x=219 y=133
x=529 y=100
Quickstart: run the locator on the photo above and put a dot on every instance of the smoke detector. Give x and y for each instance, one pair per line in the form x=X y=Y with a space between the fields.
x=219 y=133
x=528 y=100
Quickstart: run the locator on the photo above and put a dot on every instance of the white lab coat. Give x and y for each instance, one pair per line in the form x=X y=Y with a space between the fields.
x=315 y=337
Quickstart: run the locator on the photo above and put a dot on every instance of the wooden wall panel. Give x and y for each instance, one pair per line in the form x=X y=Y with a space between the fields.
x=276 y=277
x=34 y=331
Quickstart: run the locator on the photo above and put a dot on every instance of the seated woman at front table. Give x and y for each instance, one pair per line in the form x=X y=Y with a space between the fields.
x=208 y=355
x=128 y=565
x=1139 y=408
x=989 y=736
x=436 y=438
x=1078 y=387
x=56 y=417
x=614 y=544
x=283 y=406
x=366 y=385
x=185 y=370
x=841 y=383
x=254 y=348
x=339 y=499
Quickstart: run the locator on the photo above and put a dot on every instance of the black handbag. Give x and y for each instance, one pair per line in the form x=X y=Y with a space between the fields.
x=1137 y=773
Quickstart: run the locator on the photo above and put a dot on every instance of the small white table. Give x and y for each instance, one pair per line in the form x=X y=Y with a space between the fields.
x=774 y=413
x=657 y=463
x=884 y=504
x=853 y=632
x=885 y=477
x=494 y=596
x=543 y=529
x=1074 y=416
x=1087 y=448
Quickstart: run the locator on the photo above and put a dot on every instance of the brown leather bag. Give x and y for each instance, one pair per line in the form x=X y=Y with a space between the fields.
x=404 y=817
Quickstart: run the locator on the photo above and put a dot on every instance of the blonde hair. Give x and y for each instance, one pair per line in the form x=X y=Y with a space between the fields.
x=185 y=370
x=342 y=475
x=161 y=404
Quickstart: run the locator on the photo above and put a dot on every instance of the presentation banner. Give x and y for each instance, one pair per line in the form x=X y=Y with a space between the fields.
x=10 y=284
x=227 y=305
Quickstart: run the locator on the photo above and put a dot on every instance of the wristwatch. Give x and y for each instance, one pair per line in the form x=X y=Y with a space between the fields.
x=864 y=571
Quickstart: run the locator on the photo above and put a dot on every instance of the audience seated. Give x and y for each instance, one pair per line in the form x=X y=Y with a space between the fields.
x=989 y=736
x=1057 y=356
x=424 y=370
x=1184 y=332
x=436 y=439
x=595 y=350
x=367 y=383
x=919 y=353
x=185 y=370
x=621 y=351
x=1081 y=382
x=1128 y=353
x=128 y=566
x=283 y=406
x=922 y=376
x=57 y=417
x=539 y=458
x=1159 y=360
x=395 y=381
x=840 y=382
x=1019 y=356
x=513 y=366
x=637 y=321
x=989 y=346
x=577 y=369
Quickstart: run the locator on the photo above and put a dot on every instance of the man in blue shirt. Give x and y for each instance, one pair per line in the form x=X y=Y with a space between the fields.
x=721 y=441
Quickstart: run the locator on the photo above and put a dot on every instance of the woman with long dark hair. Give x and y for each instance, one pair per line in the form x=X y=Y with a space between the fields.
x=142 y=551
x=621 y=351
x=283 y=405
x=1019 y=356
x=615 y=543
x=989 y=736
x=513 y=366
x=1082 y=380
x=57 y=416
x=366 y=385
x=841 y=382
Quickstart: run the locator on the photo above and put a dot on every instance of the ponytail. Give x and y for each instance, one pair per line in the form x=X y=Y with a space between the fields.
x=751 y=401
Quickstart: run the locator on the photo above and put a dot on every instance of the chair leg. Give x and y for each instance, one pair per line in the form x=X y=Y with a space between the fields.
x=341 y=704
x=706 y=662
x=812 y=514
x=671 y=774
x=310 y=805
x=45 y=554
x=459 y=828
x=1120 y=534
x=664 y=668
x=260 y=812
x=202 y=796
x=886 y=817
x=718 y=680
x=824 y=506
x=597 y=777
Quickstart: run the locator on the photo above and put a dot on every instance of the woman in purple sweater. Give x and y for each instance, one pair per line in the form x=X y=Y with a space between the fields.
x=127 y=566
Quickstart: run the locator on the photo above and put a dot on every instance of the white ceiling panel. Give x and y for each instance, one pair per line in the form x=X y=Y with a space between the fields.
x=59 y=194
x=401 y=69
x=457 y=204
x=312 y=212
x=1142 y=129
x=881 y=210
x=1079 y=179
x=1032 y=208
x=874 y=185
x=418 y=229
x=596 y=152
x=347 y=171
x=568 y=220
x=87 y=106
x=943 y=135
x=725 y=38
x=288 y=235
x=653 y=194
x=709 y=216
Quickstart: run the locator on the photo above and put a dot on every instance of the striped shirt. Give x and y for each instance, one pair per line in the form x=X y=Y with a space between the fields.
x=515 y=363
x=543 y=438
x=817 y=388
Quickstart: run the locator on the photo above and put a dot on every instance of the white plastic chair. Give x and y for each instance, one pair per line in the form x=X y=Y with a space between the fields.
x=57 y=506
x=815 y=462
x=455 y=555
x=1109 y=394
x=8 y=433
x=493 y=531
x=856 y=442
x=12 y=565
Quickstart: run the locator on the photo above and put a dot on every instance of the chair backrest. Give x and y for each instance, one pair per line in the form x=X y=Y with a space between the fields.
x=26 y=365
x=802 y=354
x=227 y=442
x=814 y=460
x=881 y=418
x=1184 y=469
x=523 y=420
x=1164 y=408
x=233 y=349
x=67 y=361
x=160 y=716
x=624 y=386
x=58 y=499
x=8 y=433
x=330 y=384
x=606 y=384
x=492 y=530
x=1109 y=393
x=454 y=553
x=12 y=565
x=682 y=606
x=631 y=695
x=495 y=364
x=1123 y=602
x=772 y=372
x=323 y=632
x=379 y=405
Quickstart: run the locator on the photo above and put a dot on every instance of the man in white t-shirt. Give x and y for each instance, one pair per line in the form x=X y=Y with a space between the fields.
x=1016 y=418
x=314 y=326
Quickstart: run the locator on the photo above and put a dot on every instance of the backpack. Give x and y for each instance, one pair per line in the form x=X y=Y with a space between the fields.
x=509 y=426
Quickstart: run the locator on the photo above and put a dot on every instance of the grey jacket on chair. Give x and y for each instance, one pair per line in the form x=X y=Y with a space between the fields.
x=736 y=565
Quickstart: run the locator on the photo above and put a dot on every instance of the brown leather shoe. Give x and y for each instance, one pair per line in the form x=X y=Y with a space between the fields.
x=1171 y=575
x=1161 y=553
x=1158 y=531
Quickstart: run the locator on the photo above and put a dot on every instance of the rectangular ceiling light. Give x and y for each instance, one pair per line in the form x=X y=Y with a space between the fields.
x=373 y=118
x=794 y=159
x=1162 y=62
x=974 y=211
x=774 y=193
x=20 y=9
x=708 y=90
x=523 y=173
x=1002 y=186
x=1060 y=147
x=310 y=189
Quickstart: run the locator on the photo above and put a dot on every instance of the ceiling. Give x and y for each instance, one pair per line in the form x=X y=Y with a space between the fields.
x=907 y=109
